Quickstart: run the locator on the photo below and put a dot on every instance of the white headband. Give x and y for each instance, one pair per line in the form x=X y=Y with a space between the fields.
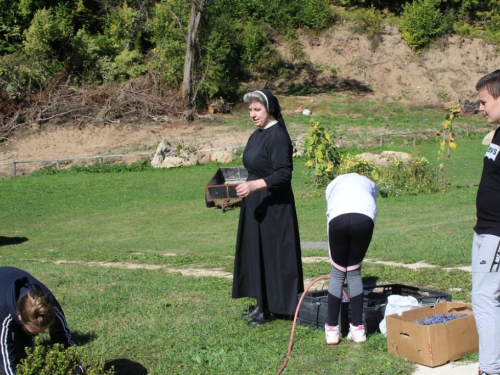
x=267 y=102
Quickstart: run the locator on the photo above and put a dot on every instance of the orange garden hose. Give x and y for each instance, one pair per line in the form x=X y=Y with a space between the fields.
x=290 y=343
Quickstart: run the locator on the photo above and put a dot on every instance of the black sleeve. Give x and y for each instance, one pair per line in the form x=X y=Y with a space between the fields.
x=280 y=153
x=7 y=351
x=59 y=331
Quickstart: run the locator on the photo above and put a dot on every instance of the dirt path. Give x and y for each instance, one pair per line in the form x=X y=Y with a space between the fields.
x=219 y=272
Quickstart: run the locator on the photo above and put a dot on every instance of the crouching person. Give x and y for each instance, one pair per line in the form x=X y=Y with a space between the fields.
x=27 y=307
x=352 y=209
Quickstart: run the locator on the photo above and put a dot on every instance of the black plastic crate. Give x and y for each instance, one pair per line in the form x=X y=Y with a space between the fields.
x=314 y=309
x=423 y=296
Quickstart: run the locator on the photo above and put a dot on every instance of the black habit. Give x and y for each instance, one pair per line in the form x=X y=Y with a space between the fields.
x=268 y=265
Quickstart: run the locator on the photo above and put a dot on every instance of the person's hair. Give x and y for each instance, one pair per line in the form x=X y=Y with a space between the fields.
x=37 y=311
x=256 y=96
x=491 y=83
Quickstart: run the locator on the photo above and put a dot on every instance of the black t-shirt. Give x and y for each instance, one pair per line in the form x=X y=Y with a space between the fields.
x=488 y=194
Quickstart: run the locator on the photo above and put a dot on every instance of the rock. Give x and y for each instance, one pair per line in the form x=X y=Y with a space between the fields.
x=386 y=158
x=396 y=155
x=223 y=156
x=203 y=158
x=175 y=162
x=166 y=157
x=163 y=149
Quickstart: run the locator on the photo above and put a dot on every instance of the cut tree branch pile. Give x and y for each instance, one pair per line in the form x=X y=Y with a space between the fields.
x=141 y=99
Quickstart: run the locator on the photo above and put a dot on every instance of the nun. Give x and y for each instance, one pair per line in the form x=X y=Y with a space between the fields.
x=267 y=265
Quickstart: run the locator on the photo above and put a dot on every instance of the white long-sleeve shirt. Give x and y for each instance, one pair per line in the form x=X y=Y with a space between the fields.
x=351 y=193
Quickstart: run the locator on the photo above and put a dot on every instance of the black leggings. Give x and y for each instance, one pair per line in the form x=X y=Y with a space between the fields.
x=349 y=236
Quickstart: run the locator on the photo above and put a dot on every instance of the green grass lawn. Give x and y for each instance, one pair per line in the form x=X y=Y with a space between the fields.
x=172 y=324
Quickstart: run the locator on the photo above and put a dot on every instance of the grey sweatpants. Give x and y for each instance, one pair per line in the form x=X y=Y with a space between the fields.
x=486 y=299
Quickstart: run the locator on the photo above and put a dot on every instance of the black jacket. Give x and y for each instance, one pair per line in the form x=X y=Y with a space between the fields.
x=12 y=282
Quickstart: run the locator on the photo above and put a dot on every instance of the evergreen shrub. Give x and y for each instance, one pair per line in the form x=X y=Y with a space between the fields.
x=57 y=360
x=421 y=21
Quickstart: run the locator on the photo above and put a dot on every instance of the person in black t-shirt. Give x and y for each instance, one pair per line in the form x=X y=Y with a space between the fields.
x=486 y=242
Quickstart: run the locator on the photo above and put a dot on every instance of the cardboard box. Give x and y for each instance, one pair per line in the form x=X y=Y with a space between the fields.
x=436 y=344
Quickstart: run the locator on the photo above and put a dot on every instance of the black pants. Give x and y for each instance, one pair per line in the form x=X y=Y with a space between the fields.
x=349 y=236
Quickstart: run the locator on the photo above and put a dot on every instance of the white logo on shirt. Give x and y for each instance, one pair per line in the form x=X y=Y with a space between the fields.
x=492 y=152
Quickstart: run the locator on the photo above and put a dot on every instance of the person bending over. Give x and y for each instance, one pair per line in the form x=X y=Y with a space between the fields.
x=351 y=212
x=27 y=308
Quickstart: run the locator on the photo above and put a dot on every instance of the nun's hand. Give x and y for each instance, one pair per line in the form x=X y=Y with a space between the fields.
x=246 y=188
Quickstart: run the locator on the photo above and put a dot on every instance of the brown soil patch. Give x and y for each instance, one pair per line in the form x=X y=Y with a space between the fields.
x=137 y=141
x=389 y=69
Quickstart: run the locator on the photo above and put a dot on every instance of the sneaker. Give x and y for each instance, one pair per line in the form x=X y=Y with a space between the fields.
x=356 y=334
x=333 y=334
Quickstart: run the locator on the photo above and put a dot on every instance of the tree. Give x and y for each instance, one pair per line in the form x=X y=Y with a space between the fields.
x=197 y=9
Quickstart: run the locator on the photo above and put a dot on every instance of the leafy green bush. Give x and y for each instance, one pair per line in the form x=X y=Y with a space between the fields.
x=368 y=21
x=285 y=15
x=56 y=360
x=314 y=14
x=219 y=66
x=464 y=29
x=421 y=21
x=90 y=58
x=127 y=64
x=120 y=26
x=34 y=68
x=167 y=55
x=13 y=76
x=492 y=32
x=11 y=29
x=48 y=33
x=413 y=177
x=258 y=53
x=450 y=17
x=322 y=153
x=351 y=164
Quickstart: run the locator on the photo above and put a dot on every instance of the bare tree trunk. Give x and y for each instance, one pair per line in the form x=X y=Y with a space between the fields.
x=197 y=8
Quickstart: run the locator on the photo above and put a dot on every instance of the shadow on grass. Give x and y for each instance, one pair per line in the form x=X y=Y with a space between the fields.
x=80 y=338
x=4 y=241
x=125 y=366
